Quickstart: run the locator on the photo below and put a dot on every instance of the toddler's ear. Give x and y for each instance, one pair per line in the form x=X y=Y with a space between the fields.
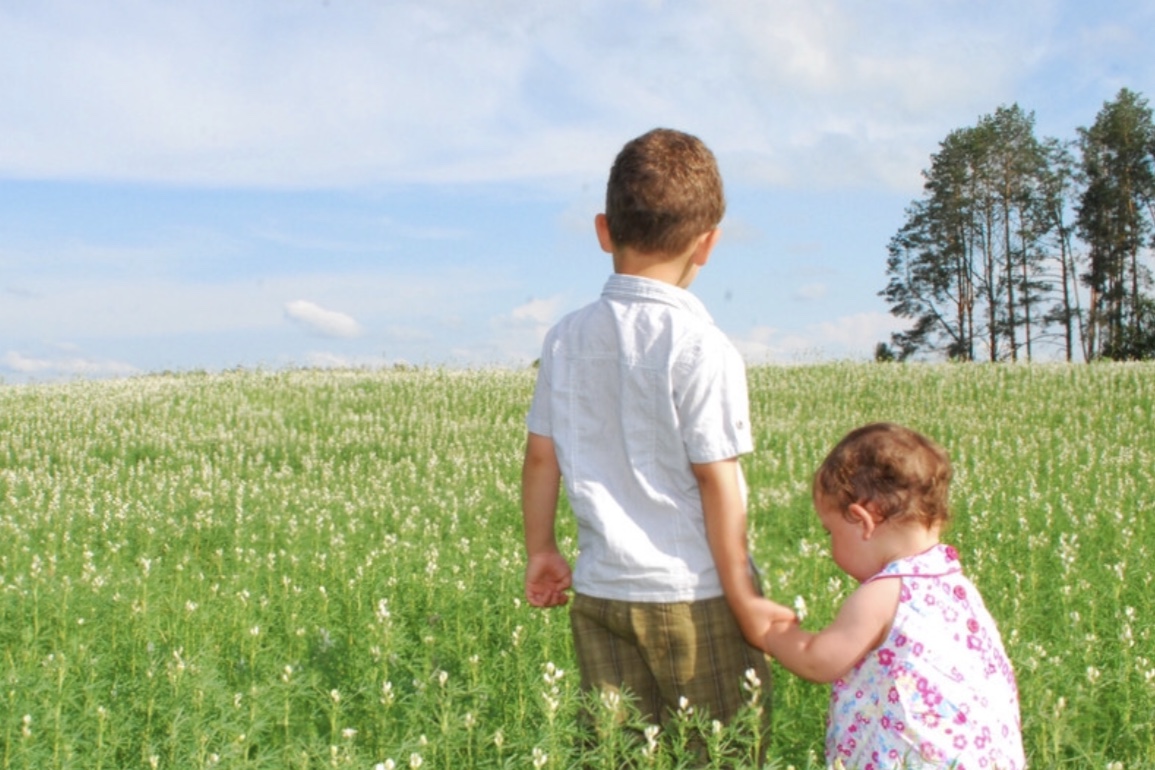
x=865 y=517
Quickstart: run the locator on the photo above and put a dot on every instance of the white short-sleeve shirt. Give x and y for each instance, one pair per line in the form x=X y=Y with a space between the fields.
x=632 y=389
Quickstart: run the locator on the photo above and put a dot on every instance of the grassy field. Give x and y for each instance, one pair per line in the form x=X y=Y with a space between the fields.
x=323 y=569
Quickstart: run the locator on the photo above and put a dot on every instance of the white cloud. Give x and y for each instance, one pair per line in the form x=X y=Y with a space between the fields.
x=325 y=359
x=538 y=311
x=810 y=291
x=851 y=337
x=307 y=94
x=330 y=323
x=513 y=337
x=394 y=312
x=51 y=368
x=76 y=304
x=860 y=331
x=766 y=345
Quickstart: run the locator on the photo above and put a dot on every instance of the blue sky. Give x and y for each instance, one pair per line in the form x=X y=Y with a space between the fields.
x=205 y=184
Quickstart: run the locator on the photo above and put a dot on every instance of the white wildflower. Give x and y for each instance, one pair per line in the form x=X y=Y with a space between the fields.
x=800 y=608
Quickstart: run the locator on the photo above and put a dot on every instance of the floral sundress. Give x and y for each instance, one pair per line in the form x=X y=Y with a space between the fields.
x=939 y=692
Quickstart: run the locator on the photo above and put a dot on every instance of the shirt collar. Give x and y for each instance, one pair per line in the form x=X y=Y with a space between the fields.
x=635 y=287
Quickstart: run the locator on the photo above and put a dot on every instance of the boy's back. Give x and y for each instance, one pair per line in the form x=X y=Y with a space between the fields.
x=633 y=389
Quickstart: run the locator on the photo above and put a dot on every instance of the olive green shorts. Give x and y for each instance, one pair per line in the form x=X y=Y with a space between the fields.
x=669 y=656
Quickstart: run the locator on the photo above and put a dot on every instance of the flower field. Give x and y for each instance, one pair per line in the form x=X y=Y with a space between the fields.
x=314 y=569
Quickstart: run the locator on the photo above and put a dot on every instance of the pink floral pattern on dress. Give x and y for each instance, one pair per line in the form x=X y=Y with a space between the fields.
x=939 y=692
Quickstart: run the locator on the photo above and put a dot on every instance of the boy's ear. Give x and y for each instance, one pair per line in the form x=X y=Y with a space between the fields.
x=602 y=226
x=706 y=246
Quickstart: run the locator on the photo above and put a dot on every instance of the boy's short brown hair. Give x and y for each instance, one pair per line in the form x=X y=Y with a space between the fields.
x=664 y=191
x=900 y=471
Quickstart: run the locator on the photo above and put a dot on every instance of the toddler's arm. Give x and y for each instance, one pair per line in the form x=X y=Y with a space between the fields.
x=861 y=624
x=725 y=514
x=547 y=573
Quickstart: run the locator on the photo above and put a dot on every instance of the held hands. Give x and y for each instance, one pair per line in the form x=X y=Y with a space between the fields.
x=547 y=578
x=781 y=625
x=763 y=617
x=776 y=631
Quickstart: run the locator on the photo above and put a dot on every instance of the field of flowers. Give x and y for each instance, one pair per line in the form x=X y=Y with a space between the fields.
x=310 y=569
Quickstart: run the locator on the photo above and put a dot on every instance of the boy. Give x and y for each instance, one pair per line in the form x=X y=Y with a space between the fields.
x=641 y=407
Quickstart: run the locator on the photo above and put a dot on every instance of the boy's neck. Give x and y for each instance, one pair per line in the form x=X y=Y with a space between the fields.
x=677 y=271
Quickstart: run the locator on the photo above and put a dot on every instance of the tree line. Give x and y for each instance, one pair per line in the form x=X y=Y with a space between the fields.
x=1022 y=245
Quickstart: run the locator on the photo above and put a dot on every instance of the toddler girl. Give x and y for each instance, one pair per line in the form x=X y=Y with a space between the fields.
x=920 y=677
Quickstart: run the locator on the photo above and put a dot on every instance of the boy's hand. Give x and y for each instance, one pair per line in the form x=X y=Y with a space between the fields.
x=547 y=578
x=781 y=625
x=781 y=614
x=547 y=573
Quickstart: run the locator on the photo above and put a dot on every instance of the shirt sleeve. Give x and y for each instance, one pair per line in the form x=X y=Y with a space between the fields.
x=712 y=401
x=539 y=419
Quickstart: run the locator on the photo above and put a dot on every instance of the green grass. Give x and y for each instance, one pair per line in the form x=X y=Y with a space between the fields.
x=323 y=569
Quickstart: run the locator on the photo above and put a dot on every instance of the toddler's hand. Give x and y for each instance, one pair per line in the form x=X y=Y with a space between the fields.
x=761 y=616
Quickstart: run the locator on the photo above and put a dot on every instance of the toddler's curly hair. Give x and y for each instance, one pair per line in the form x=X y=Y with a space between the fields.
x=901 y=472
